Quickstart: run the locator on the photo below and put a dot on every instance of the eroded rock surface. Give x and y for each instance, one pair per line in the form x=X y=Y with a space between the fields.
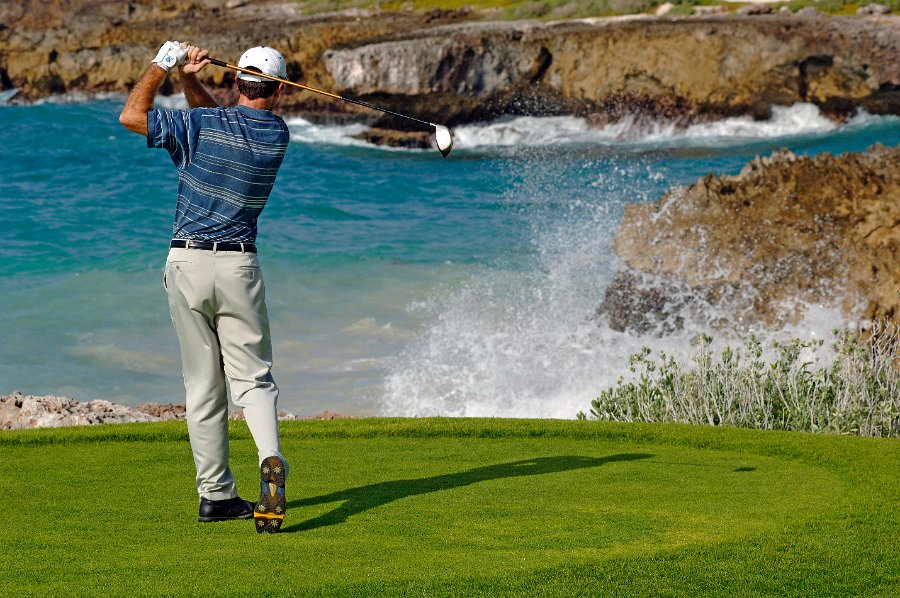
x=758 y=248
x=451 y=67
x=27 y=411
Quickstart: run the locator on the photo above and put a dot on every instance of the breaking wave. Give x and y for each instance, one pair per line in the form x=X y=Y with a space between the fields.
x=304 y=131
x=524 y=339
x=630 y=133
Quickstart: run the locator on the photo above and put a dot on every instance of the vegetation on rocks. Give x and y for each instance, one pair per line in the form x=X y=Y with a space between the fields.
x=567 y=9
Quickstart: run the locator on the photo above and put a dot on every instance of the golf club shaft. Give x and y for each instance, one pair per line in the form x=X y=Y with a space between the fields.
x=314 y=90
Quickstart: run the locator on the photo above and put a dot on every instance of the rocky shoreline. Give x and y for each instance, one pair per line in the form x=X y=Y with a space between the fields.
x=456 y=67
x=759 y=248
x=20 y=411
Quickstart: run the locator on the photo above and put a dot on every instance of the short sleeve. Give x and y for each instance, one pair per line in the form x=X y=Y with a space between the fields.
x=169 y=130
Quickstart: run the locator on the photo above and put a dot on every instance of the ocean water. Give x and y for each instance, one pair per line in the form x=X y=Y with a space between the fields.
x=399 y=283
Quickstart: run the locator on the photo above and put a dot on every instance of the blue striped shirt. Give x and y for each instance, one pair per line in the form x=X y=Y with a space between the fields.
x=227 y=160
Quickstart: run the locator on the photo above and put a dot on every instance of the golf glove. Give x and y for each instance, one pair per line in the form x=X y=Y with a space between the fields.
x=170 y=54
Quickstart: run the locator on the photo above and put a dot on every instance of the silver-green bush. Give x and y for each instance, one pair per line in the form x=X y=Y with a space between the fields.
x=856 y=392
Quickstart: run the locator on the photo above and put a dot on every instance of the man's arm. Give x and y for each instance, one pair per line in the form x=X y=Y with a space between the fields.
x=190 y=60
x=140 y=100
x=196 y=94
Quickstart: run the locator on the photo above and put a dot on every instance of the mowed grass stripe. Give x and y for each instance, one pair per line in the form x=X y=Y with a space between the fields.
x=453 y=507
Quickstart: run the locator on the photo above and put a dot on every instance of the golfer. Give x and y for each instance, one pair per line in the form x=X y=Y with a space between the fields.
x=227 y=160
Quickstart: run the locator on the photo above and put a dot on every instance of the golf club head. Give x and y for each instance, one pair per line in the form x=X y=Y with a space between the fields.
x=443 y=139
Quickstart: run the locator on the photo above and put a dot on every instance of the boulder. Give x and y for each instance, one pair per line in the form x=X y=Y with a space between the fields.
x=399 y=139
x=755 y=9
x=756 y=249
x=873 y=9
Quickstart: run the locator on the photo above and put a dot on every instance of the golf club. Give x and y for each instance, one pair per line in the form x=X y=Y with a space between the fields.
x=441 y=133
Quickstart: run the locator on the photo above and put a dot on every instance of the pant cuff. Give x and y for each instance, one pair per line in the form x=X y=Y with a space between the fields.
x=223 y=495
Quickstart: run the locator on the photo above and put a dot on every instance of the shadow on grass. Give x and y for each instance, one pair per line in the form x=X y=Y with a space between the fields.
x=363 y=498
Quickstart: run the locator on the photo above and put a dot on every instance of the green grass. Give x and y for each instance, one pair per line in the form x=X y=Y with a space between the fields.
x=453 y=507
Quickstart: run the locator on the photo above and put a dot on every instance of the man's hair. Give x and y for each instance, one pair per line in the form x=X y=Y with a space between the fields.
x=255 y=90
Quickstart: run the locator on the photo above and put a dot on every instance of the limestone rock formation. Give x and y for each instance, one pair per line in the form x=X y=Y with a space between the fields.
x=27 y=411
x=757 y=248
x=710 y=66
x=20 y=411
x=450 y=67
x=104 y=45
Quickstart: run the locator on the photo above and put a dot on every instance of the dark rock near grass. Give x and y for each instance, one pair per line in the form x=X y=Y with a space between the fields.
x=398 y=139
x=162 y=411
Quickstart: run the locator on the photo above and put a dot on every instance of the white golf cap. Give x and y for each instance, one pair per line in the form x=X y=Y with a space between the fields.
x=266 y=59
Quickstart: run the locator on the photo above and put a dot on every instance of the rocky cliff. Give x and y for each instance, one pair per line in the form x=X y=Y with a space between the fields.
x=450 y=67
x=758 y=248
x=666 y=68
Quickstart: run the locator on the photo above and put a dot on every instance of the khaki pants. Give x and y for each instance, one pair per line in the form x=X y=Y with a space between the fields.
x=218 y=307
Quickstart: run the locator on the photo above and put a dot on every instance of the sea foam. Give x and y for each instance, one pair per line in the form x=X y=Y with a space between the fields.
x=799 y=119
x=629 y=133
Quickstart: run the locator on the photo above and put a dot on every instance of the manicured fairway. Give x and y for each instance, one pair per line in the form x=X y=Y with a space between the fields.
x=458 y=507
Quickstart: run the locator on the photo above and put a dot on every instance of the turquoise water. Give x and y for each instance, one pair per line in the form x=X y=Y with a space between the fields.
x=398 y=282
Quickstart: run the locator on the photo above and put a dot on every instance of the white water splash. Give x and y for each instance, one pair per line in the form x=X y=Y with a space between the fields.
x=304 y=131
x=799 y=119
x=525 y=341
x=630 y=132
x=8 y=94
x=519 y=345
x=521 y=341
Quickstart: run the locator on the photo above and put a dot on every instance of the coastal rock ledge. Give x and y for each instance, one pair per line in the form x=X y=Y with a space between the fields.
x=27 y=411
x=757 y=249
x=455 y=67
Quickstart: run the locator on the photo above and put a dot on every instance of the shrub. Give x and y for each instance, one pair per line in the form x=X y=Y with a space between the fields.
x=858 y=392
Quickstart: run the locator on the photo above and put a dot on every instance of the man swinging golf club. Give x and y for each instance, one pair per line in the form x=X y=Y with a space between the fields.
x=227 y=160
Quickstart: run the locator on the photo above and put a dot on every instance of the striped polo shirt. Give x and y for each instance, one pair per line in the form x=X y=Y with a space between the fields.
x=227 y=160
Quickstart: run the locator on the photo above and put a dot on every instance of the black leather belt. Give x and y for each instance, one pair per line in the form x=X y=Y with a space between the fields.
x=212 y=246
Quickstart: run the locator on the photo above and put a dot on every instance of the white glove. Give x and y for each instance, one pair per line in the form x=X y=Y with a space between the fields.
x=170 y=54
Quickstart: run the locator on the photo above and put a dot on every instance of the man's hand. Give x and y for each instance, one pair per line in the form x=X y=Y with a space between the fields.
x=170 y=54
x=196 y=95
x=196 y=59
